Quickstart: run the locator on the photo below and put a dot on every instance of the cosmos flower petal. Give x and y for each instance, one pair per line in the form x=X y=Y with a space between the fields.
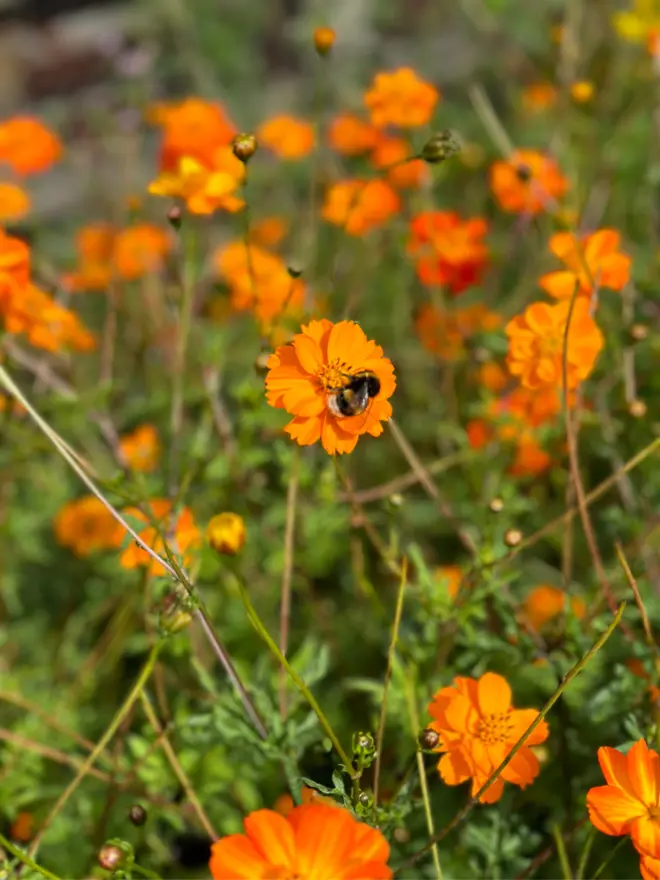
x=304 y=431
x=645 y=833
x=460 y=714
x=308 y=352
x=643 y=770
x=237 y=857
x=272 y=836
x=520 y=720
x=614 y=765
x=649 y=868
x=522 y=769
x=561 y=285
x=347 y=342
x=454 y=768
x=494 y=694
x=611 y=810
x=492 y=794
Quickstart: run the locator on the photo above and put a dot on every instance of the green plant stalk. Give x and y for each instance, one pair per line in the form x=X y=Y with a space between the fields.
x=561 y=852
x=25 y=859
x=615 y=850
x=421 y=769
x=100 y=746
x=388 y=677
x=300 y=684
x=582 y=864
x=568 y=678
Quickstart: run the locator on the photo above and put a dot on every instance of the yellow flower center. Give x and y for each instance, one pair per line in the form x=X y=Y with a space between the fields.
x=494 y=728
x=333 y=375
x=654 y=814
x=551 y=345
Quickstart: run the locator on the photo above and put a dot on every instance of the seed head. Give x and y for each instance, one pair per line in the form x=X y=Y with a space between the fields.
x=429 y=738
x=440 y=147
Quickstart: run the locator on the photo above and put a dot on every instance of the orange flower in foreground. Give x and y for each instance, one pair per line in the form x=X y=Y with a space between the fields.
x=392 y=154
x=400 y=98
x=86 y=525
x=314 y=841
x=545 y=602
x=448 y=249
x=258 y=281
x=630 y=802
x=141 y=448
x=444 y=333
x=27 y=146
x=527 y=182
x=204 y=188
x=649 y=868
x=304 y=376
x=193 y=128
x=181 y=533
x=351 y=136
x=360 y=205
x=14 y=202
x=478 y=727
x=536 y=344
x=595 y=261
x=286 y=136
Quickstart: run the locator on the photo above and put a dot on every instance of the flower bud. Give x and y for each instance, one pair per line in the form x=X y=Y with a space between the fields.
x=110 y=856
x=175 y=613
x=364 y=745
x=440 y=147
x=637 y=409
x=294 y=271
x=496 y=505
x=244 y=147
x=366 y=800
x=226 y=533
x=137 y=814
x=174 y=217
x=261 y=362
x=396 y=499
x=513 y=537
x=324 y=38
x=639 y=332
x=582 y=91
x=429 y=738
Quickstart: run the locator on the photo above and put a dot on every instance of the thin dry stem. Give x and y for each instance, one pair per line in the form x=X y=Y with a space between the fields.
x=285 y=601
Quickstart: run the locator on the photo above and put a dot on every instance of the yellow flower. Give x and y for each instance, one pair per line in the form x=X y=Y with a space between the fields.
x=636 y=23
x=226 y=533
x=582 y=91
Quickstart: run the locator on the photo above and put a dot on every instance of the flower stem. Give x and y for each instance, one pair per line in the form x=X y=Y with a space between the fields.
x=25 y=859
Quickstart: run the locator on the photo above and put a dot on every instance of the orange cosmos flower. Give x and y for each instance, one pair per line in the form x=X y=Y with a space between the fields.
x=478 y=728
x=449 y=250
x=46 y=324
x=539 y=96
x=349 y=135
x=86 y=525
x=259 y=281
x=193 y=128
x=593 y=260
x=451 y=575
x=287 y=137
x=313 y=841
x=27 y=146
x=204 y=188
x=444 y=333
x=527 y=182
x=536 y=344
x=181 y=533
x=649 y=868
x=141 y=448
x=492 y=376
x=105 y=253
x=140 y=250
x=14 y=202
x=269 y=231
x=304 y=376
x=400 y=98
x=94 y=244
x=546 y=602
x=630 y=802
x=14 y=268
x=404 y=172
x=360 y=205
x=530 y=459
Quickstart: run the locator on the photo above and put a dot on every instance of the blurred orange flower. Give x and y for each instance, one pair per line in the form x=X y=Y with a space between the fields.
x=448 y=249
x=86 y=525
x=46 y=324
x=400 y=98
x=14 y=266
x=404 y=172
x=105 y=253
x=94 y=245
x=349 y=135
x=478 y=728
x=527 y=182
x=360 y=205
x=493 y=376
x=285 y=804
x=593 y=261
x=141 y=448
x=444 y=333
x=258 y=281
x=14 y=202
x=286 y=136
x=305 y=374
x=539 y=96
x=268 y=231
x=451 y=575
x=140 y=250
x=545 y=602
x=194 y=128
x=536 y=344
x=630 y=802
x=204 y=188
x=27 y=145
x=530 y=459
x=180 y=531
x=314 y=841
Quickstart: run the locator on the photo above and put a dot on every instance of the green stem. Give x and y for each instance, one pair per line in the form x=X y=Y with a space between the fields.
x=561 y=852
x=25 y=859
x=300 y=684
x=582 y=865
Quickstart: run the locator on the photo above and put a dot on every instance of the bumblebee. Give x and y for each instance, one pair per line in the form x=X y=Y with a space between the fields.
x=352 y=399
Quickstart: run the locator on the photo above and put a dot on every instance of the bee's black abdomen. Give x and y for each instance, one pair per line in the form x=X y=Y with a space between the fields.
x=373 y=386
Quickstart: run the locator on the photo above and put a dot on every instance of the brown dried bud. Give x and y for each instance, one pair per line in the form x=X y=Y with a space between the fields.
x=637 y=409
x=261 y=362
x=294 y=271
x=496 y=505
x=639 y=332
x=174 y=217
x=324 y=39
x=440 y=147
x=513 y=537
x=429 y=738
x=110 y=857
x=244 y=147
x=137 y=814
